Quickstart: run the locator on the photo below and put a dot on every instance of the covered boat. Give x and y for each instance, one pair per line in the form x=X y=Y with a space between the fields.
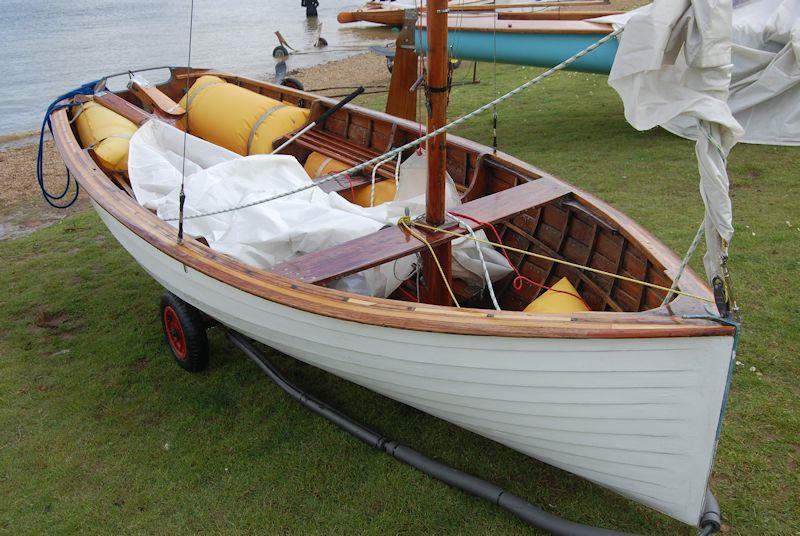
x=624 y=383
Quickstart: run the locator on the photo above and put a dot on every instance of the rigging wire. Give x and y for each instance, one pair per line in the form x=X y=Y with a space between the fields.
x=182 y=195
x=485 y=267
x=495 y=16
x=692 y=248
x=417 y=142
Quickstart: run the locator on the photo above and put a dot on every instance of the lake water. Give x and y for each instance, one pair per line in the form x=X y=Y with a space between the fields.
x=49 y=47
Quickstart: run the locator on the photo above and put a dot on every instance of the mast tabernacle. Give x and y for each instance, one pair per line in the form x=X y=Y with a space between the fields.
x=437 y=91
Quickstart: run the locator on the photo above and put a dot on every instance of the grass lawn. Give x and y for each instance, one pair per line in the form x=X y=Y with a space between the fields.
x=101 y=433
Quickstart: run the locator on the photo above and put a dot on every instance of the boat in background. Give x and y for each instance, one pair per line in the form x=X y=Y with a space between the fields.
x=383 y=13
x=541 y=39
x=392 y=13
x=536 y=38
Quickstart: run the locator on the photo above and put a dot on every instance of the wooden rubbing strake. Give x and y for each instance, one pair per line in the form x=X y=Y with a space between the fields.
x=393 y=243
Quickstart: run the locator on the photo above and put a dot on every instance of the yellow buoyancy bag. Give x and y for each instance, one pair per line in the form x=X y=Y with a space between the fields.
x=107 y=133
x=318 y=165
x=238 y=119
x=561 y=298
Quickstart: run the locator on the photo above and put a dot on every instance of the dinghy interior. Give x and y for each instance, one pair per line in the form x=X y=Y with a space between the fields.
x=524 y=208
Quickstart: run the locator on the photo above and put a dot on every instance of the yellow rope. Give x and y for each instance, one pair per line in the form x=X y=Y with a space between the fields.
x=406 y=221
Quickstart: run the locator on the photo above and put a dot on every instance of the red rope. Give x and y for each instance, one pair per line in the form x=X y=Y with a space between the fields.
x=352 y=190
x=519 y=279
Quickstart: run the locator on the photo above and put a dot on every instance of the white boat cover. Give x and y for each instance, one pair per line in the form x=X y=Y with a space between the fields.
x=269 y=233
x=765 y=81
x=674 y=63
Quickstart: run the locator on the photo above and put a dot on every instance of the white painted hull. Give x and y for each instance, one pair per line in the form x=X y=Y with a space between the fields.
x=639 y=416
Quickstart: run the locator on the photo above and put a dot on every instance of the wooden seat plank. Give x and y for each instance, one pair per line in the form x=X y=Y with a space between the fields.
x=343 y=150
x=393 y=243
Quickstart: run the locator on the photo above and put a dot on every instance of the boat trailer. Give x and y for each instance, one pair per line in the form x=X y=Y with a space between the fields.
x=185 y=331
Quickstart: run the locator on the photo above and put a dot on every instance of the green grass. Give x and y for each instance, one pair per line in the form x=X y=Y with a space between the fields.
x=89 y=399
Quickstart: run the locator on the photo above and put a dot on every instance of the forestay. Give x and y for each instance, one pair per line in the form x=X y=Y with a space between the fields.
x=267 y=234
x=674 y=62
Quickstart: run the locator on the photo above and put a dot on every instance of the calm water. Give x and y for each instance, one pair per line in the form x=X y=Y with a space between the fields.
x=50 y=46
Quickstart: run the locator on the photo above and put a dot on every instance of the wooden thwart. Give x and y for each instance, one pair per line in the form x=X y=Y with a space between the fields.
x=393 y=243
x=154 y=97
x=343 y=150
x=133 y=113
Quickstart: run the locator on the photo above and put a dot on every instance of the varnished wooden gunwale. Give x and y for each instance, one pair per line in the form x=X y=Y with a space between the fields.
x=393 y=313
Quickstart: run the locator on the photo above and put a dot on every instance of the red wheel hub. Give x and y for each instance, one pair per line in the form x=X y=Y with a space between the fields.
x=175 y=335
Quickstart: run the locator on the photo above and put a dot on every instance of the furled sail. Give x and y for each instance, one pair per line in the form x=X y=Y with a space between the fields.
x=674 y=62
x=765 y=80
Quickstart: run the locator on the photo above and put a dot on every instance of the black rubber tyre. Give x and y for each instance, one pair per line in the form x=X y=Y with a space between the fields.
x=280 y=52
x=293 y=83
x=185 y=333
x=321 y=43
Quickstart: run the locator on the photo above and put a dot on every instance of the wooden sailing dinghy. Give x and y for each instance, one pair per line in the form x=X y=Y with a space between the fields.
x=629 y=394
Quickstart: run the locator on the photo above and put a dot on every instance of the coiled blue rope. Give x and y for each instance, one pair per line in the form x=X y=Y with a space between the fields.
x=58 y=104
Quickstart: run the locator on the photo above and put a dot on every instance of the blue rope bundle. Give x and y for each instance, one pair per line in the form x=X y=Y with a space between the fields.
x=58 y=104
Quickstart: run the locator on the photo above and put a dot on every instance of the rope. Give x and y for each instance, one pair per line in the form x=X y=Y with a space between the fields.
x=426 y=137
x=406 y=221
x=692 y=248
x=486 y=275
x=57 y=104
x=374 y=178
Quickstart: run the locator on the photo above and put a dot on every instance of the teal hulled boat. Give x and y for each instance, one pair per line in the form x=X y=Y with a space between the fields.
x=526 y=39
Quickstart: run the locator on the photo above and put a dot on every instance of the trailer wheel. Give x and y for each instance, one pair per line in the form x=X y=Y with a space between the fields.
x=280 y=52
x=185 y=332
x=293 y=83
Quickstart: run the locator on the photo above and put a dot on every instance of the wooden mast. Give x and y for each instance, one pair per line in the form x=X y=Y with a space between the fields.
x=435 y=287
